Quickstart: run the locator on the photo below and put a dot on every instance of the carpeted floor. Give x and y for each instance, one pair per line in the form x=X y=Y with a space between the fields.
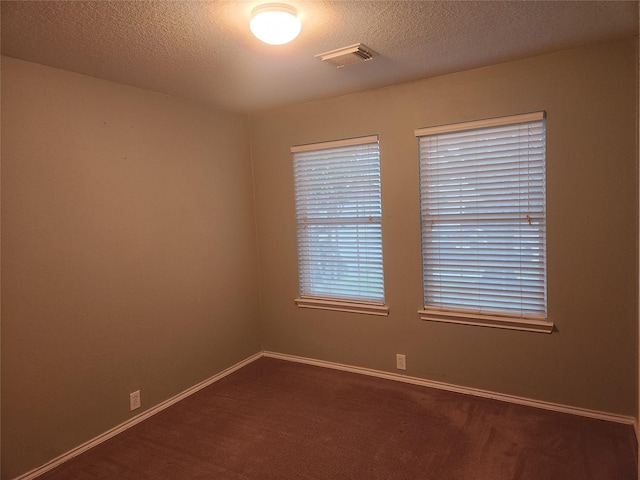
x=282 y=420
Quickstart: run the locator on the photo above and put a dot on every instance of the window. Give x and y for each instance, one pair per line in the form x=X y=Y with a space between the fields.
x=339 y=210
x=482 y=187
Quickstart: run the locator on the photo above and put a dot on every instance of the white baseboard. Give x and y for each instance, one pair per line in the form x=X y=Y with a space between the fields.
x=583 y=412
x=134 y=421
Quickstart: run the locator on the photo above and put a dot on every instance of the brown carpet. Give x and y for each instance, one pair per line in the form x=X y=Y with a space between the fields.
x=282 y=420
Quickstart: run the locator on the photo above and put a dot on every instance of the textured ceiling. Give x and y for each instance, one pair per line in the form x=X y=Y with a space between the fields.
x=203 y=50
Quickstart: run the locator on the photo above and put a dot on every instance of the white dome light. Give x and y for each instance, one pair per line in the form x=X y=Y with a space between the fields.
x=275 y=23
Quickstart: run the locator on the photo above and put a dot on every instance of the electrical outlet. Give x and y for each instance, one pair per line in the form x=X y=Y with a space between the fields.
x=401 y=361
x=134 y=400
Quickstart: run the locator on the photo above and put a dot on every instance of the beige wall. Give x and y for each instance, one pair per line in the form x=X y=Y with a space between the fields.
x=591 y=361
x=128 y=254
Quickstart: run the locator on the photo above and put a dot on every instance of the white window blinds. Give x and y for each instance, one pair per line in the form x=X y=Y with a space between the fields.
x=338 y=208
x=483 y=217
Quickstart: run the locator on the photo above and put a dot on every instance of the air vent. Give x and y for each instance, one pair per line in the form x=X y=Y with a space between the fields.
x=347 y=56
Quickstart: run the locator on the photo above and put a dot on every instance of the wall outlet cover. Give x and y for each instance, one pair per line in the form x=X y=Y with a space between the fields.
x=134 y=400
x=401 y=361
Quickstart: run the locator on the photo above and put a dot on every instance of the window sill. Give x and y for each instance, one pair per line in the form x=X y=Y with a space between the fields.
x=483 y=320
x=343 y=306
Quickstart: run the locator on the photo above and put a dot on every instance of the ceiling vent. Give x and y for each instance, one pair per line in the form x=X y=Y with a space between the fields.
x=347 y=56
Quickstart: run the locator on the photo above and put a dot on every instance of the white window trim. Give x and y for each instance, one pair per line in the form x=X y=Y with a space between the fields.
x=336 y=304
x=335 y=144
x=366 y=308
x=490 y=122
x=466 y=317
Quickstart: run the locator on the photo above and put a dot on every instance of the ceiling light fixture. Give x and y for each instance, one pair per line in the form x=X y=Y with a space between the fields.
x=275 y=23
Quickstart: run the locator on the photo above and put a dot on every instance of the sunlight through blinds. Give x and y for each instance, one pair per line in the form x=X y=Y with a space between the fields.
x=338 y=208
x=482 y=190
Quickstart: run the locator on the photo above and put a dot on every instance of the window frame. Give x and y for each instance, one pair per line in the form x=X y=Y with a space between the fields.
x=339 y=302
x=467 y=315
